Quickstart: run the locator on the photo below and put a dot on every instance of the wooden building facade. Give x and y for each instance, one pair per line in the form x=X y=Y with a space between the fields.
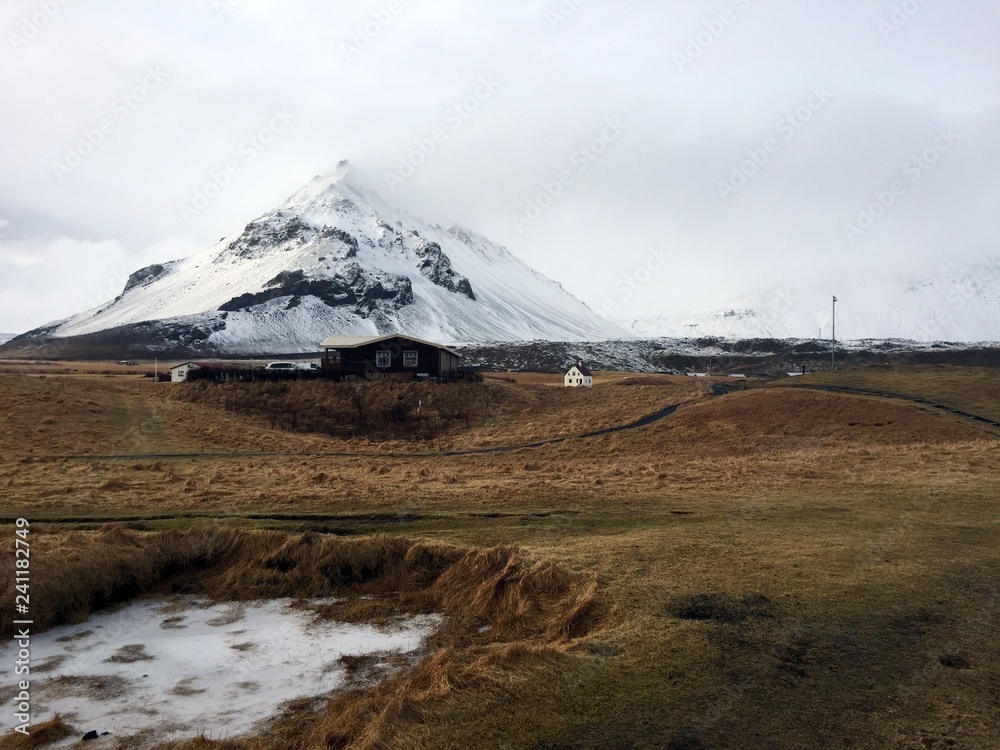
x=392 y=356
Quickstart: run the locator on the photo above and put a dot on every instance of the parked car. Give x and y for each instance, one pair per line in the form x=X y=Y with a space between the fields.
x=293 y=366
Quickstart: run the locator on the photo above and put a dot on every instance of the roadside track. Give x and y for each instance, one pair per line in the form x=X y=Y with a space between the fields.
x=901 y=396
x=717 y=390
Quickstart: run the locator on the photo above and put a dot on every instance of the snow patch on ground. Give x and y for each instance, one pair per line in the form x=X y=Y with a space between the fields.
x=176 y=668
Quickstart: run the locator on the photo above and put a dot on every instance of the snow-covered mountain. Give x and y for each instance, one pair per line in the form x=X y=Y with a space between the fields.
x=333 y=259
x=951 y=302
x=5 y=337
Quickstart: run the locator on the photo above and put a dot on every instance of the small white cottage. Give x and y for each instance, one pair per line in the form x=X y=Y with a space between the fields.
x=578 y=376
x=179 y=373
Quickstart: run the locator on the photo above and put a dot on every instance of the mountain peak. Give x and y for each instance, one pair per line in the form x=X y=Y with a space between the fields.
x=335 y=258
x=337 y=174
x=326 y=198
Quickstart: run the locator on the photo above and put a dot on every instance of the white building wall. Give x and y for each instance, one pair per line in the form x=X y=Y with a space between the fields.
x=575 y=379
x=179 y=374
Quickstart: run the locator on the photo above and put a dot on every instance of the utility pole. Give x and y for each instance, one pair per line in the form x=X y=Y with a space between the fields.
x=833 y=336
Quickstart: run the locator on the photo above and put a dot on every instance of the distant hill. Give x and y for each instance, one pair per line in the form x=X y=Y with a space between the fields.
x=951 y=302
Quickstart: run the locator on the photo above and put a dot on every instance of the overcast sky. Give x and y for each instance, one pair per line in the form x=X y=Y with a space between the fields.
x=744 y=141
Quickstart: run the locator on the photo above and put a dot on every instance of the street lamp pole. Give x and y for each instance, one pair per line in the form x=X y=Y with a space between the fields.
x=833 y=336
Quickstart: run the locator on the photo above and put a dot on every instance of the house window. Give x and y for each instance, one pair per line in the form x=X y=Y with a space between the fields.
x=383 y=359
x=410 y=359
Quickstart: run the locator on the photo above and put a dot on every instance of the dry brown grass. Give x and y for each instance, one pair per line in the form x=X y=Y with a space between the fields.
x=746 y=443
x=493 y=412
x=972 y=389
x=516 y=596
x=30 y=368
x=526 y=378
x=99 y=415
x=847 y=548
x=40 y=735
x=382 y=410
x=773 y=418
x=501 y=605
x=601 y=377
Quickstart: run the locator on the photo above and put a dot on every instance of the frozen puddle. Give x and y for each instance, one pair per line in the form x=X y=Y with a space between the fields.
x=180 y=667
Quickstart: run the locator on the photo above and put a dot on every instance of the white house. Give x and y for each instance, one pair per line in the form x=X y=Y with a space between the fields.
x=179 y=373
x=578 y=376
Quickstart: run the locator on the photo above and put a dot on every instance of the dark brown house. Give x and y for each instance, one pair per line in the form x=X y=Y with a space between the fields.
x=392 y=356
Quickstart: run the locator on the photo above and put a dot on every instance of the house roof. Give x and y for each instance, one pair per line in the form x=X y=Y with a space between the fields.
x=354 y=342
x=584 y=370
x=216 y=364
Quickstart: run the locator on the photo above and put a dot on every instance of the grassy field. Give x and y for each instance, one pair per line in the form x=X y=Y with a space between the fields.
x=772 y=568
x=972 y=389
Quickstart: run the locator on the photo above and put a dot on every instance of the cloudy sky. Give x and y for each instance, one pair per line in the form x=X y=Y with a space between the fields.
x=705 y=149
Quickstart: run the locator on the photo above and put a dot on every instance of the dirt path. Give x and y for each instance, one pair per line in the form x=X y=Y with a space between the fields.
x=647 y=420
x=885 y=394
x=717 y=390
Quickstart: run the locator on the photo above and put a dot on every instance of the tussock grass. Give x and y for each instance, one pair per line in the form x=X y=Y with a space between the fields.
x=501 y=605
x=82 y=572
x=40 y=735
x=771 y=575
x=421 y=410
